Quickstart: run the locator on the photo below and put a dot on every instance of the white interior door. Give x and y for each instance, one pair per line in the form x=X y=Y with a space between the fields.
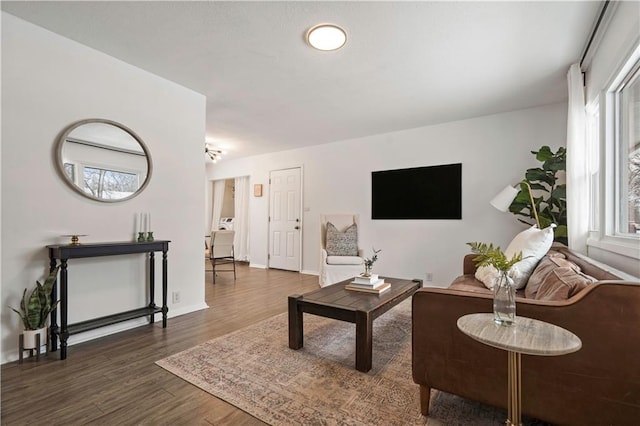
x=285 y=219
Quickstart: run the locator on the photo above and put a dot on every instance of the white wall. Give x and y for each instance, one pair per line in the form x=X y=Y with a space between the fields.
x=48 y=82
x=494 y=151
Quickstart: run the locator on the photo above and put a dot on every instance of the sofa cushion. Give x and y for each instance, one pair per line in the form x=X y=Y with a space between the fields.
x=534 y=243
x=549 y=262
x=562 y=283
x=342 y=243
x=344 y=260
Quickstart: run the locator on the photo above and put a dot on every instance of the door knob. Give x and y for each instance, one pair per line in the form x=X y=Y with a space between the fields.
x=297 y=227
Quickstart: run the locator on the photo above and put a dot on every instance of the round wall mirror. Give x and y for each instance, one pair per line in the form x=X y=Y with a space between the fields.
x=103 y=160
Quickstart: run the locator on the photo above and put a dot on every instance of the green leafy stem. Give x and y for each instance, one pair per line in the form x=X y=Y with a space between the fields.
x=490 y=255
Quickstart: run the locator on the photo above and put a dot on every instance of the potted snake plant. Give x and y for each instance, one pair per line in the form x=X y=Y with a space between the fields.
x=35 y=309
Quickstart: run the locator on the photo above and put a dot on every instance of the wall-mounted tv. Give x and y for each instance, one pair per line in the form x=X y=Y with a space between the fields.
x=433 y=192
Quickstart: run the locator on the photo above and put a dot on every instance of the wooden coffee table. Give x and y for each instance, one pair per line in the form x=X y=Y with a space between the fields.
x=352 y=306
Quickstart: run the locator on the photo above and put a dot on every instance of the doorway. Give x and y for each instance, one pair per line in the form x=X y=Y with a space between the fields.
x=228 y=209
x=285 y=219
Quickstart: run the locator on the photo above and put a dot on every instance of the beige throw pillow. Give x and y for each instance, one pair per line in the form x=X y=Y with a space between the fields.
x=342 y=243
x=534 y=243
x=547 y=265
x=562 y=283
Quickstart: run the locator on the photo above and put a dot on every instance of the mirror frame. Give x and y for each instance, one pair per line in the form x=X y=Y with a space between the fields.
x=60 y=166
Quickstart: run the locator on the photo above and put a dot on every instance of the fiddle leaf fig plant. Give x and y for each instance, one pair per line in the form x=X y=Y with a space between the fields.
x=35 y=309
x=549 y=195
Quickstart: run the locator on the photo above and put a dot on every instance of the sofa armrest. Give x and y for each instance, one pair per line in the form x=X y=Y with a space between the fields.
x=468 y=265
x=323 y=256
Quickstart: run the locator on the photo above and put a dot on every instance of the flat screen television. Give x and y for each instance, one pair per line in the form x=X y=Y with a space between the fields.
x=433 y=192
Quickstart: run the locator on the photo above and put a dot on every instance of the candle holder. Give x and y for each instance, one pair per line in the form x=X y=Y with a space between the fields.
x=149 y=236
x=141 y=238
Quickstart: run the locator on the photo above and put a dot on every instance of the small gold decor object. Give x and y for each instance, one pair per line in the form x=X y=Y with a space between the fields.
x=75 y=239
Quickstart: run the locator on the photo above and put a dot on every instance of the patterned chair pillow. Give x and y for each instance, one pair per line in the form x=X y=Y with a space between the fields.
x=342 y=243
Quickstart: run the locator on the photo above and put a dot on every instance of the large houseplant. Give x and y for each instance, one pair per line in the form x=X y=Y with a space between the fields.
x=35 y=309
x=549 y=194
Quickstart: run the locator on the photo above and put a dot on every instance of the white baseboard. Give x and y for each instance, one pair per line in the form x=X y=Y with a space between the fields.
x=175 y=312
x=316 y=273
x=9 y=356
x=257 y=265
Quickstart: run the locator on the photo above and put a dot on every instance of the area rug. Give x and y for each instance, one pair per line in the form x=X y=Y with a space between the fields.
x=254 y=369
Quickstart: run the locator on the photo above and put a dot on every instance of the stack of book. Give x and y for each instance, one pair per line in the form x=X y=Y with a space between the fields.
x=371 y=284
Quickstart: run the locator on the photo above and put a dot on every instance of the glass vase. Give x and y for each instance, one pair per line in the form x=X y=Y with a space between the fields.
x=367 y=270
x=504 y=300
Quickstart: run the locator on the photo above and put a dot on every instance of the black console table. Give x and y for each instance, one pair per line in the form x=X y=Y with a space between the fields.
x=65 y=252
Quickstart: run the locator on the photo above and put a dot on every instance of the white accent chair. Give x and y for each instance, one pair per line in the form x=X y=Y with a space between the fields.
x=334 y=269
x=222 y=252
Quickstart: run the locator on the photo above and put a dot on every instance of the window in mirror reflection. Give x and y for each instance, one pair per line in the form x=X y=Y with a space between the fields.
x=109 y=184
x=70 y=171
x=107 y=172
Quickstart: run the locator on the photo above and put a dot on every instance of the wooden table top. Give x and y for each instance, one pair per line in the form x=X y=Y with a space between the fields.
x=527 y=336
x=336 y=296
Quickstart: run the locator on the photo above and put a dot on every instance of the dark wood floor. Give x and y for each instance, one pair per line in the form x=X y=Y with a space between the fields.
x=114 y=381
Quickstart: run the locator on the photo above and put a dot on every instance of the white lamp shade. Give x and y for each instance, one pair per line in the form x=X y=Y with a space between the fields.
x=503 y=200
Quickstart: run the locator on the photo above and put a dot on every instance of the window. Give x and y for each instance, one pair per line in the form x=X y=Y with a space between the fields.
x=613 y=155
x=109 y=184
x=626 y=113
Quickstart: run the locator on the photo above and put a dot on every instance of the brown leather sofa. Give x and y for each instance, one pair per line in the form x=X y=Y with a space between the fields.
x=598 y=385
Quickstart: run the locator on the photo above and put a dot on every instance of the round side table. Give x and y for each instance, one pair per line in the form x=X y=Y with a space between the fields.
x=526 y=336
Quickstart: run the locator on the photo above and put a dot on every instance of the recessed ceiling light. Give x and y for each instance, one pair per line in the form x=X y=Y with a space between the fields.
x=326 y=37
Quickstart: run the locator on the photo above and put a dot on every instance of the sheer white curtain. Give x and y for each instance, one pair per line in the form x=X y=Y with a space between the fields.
x=577 y=173
x=241 y=221
x=218 y=199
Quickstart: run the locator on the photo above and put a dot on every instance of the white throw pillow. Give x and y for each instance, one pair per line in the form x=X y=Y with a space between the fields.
x=534 y=244
x=487 y=275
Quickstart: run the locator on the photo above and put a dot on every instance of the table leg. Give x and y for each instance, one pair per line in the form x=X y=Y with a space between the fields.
x=296 y=325
x=165 y=287
x=364 y=341
x=515 y=390
x=64 y=330
x=53 y=328
x=152 y=286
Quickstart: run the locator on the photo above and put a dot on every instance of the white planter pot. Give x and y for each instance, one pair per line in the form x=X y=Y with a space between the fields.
x=30 y=338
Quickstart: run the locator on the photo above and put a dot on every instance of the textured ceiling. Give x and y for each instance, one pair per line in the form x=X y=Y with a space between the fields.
x=405 y=64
